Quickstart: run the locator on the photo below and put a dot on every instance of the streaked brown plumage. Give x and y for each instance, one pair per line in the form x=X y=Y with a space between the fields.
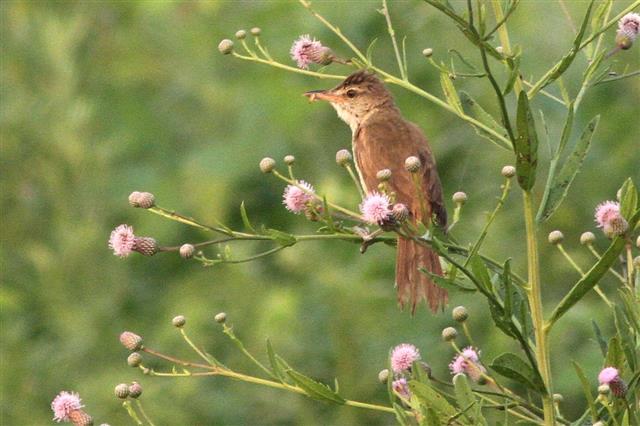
x=383 y=139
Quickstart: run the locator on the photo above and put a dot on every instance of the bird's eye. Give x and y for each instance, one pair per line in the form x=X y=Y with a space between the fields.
x=351 y=93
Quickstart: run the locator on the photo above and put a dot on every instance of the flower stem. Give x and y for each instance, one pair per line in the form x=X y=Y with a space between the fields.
x=535 y=303
x=392 y=34
x=581 y=272
x=630 y=268
x=356 y=181
x=144 y=414
x=132 y=413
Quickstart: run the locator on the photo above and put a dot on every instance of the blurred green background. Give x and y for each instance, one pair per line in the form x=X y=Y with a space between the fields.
x=99 y=99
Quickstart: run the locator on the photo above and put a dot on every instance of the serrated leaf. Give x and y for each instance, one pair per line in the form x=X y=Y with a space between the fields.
x=586 y=388
x=467 y=400
x=472 y=108
x=559 y=185
x=314 y=389
x=601 y=342
x=526 y=144
x=245 y=218
x=450 y=93
x=282 y=238
x=509 y=365
x=275 y=367
x=430 y=398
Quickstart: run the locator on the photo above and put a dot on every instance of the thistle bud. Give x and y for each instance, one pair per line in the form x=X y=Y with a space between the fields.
x=383 y=175
x=428 y=52
x=343 y=157
x=623 y=40
x=121 y=391
x=587 y=238
x=146 y=246
x=500 y=49
x=143 y=200
x=508 y=171
x=186 y=251
x=383 y=376
x=615 y=227
x=449 y=334
x=636 y=262
x=557 y=398
x=412 y=164
x=604 y=389
x=638 y=242
x=220 y=318
x=135 y=390
x=131 y=341
x=460 y=314
x=179 y=321
x=555 y=237
x=256 y=31
x=400 y=212
x=459 y=198
x=80 y=418
x=226 y=46
x=289 y=160
x=241 y=34
x=267 y=164
x=134 y=359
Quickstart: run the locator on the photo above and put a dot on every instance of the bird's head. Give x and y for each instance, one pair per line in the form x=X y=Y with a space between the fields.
x=359 y=94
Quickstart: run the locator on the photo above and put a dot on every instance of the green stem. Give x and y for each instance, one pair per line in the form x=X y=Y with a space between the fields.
x=581 y=272
x=287 y=67
x=355 y=180
x=503 y=34
x=144 y=414
x=229 y=332
x=132 y=413
x=392 y=34
x=535 y=303
x=630 y=281
x=195 y=348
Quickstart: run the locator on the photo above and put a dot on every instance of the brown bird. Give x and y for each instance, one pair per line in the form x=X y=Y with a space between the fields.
x=383 y=139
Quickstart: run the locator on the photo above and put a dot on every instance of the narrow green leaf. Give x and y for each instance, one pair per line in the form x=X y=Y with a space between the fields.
x=631 y=307
x=401 y=415
x=430 y=398
x=450 y=93
x=626 y=337
x=526 y=144
x=275 y=367
x=558 y=187
x=566 y=131
x=431 y=417
x=628 y=199
x=508 y=289
x=481 y=273
x=509 y=365
x=245 y=218
x=615 y=355
x=314 y=389
x=586 y=388
x=447 y=283
x=514 y=64
x=466 y=400
x=601 y=342
x=472 y=108
x=282 y=238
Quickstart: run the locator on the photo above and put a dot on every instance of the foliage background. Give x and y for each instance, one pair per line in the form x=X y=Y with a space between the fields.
x=103 y=98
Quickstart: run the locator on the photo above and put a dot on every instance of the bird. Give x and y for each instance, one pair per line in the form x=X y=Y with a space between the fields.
x=383 y=139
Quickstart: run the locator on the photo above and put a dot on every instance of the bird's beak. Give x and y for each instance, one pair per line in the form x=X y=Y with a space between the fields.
x=323 y=95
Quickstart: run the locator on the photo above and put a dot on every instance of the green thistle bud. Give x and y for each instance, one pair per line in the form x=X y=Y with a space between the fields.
x=587 y=238
x=143 y=200
x=636 y=262
x=638 y=242
x=615 y=227
x=383 y=175
x=220 y=318
x=459 y=198
x=226 y=46
x=412 y=164
x=383 y=376
x=343 y=157
x=428 y=52
x=449 y=334
x=508 y=171
x=289 y=160
x=134 y=359
x=186 y=251
x=241 y=34
x=555 y=237
x=267 y=164
x=624 y=41
x=557 y=398
x=604 y=389
x=255 y=31
x=135 y=390
x=121 y=391
x=179 y=321
x=460 y=314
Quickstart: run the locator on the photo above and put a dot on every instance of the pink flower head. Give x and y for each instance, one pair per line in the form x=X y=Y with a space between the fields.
x=401 y=387
x=306 y=51
x=403 y=356
x=375 y=208
x=606 y=212
x=295 y=198
x=629 y=25
x=608 y=375
x=63 y=404
x=468 y=362
x=122 y=240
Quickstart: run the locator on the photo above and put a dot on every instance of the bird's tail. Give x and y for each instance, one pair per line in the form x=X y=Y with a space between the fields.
x=413 y=285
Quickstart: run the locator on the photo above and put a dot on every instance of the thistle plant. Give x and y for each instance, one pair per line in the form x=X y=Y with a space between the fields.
x=483 y=386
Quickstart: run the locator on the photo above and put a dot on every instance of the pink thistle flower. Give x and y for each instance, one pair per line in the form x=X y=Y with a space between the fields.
x=375 y=208
x=607 y=211
x=629 y=25
x=122 y=240
x=64 y=404
x=403 y=356
x=468 y=362
x=401 y=387
x=306 y=51
x=295 y=198
x=611 y=377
